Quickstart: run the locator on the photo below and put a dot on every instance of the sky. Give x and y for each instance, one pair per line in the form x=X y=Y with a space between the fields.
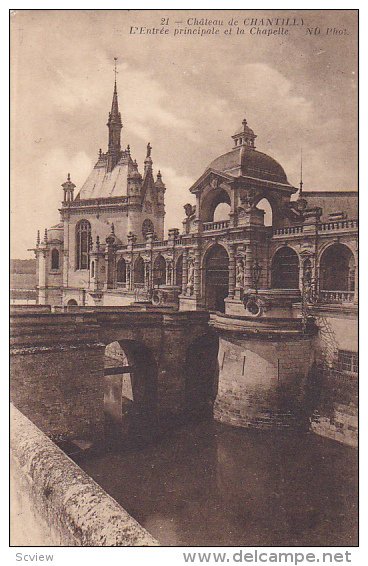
x=185 y=94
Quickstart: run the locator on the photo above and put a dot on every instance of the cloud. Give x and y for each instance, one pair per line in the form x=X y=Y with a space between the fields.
x=35 y=205
x=176 y=196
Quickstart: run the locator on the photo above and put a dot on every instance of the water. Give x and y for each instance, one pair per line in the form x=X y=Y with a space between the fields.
x=208 y=484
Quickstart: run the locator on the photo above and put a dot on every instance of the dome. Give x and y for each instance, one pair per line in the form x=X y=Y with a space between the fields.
x=248 y=162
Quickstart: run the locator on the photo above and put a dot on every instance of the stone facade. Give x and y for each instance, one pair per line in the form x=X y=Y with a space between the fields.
x=264 y=277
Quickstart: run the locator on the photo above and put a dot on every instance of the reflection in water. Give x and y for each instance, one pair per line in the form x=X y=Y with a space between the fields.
x=210 y=484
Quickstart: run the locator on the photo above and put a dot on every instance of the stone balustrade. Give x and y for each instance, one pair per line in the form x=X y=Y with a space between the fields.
x=336 y=297
x=219 y=225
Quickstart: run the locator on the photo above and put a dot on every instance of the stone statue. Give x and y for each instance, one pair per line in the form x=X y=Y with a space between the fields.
x=240 y=274
x=189 y=210
x=190 y=275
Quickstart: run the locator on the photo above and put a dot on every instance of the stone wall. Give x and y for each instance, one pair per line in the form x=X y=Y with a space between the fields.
x=333 y=394
x=56 y=368
x=261 y=381
x=54 y=503
x=61 y=390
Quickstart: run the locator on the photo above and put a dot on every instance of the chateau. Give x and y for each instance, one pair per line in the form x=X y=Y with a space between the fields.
x=274 y=266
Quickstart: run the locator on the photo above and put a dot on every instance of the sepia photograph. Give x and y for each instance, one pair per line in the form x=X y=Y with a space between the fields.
x=184 y=280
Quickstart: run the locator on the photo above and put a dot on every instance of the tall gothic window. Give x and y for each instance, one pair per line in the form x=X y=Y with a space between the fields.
x=83 y=236
x=55 y=259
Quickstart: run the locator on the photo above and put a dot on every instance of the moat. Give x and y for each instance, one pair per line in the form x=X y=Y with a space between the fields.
x=207 y=484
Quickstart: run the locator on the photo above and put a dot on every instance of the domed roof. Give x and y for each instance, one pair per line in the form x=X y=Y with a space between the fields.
x=249 y=162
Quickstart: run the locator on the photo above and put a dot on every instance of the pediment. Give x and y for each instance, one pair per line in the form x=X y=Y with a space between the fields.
x=212 y=178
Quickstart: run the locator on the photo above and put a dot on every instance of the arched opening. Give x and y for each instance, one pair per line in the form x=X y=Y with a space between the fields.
x=267 y=209
x=221 y=212
x=121 y=271
x=201 y=375
x=55 y=259
x=285 y=269
x=179 y=272
x=159 y=271
x=83 y=242
x=337 y=269
x=139 y=271
x=130 y=392
x=71 y=303
x=216 y=272
x=216 y=201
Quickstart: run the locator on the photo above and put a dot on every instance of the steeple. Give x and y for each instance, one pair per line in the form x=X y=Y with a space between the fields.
x=114 y=124
x=245 y=136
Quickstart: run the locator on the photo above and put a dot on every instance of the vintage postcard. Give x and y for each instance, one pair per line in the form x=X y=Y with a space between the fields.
x=184 y=281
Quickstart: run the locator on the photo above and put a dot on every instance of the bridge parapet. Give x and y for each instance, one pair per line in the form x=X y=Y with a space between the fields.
x=57 y=365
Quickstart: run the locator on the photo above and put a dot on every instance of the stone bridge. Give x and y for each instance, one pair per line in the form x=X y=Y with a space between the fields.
x=57 y=366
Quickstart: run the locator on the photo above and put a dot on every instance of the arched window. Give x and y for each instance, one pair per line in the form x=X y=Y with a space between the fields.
x=285 y=269
x=179 y=272
x=121 y=271
x=215 y=206
x=159 y=271
x=83 y=237
x=55 y=262
x=139 y=270
x=337 y=269
x=147 y=227
x=266 y=207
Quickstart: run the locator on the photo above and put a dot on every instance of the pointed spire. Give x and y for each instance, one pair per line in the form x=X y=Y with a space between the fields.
x=115 y=125
x=45 y=236
x=38 y=238
x=159 y=183
x=301 y=174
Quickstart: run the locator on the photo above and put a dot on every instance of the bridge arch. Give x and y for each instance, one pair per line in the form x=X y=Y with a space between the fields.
x=130 y=390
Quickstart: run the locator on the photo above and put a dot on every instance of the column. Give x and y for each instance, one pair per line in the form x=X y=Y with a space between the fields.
x=248 y=276
x=356 y=281
x=232 y=272
x=197 y=273
x=42 y=254
x=185 y=272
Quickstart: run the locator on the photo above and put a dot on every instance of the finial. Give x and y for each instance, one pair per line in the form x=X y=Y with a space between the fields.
x=100 y=152
x=128 y=149
x=69 y=177
x=115 y=69
x=45 y=237
x=159 y=176
x=112 y=228
x=149 y=149
x=98 y=242
x=38 y=237
x=244 y=122
x=301 y=173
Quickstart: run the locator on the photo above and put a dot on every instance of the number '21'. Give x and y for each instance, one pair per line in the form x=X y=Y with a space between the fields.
x=164 y=21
